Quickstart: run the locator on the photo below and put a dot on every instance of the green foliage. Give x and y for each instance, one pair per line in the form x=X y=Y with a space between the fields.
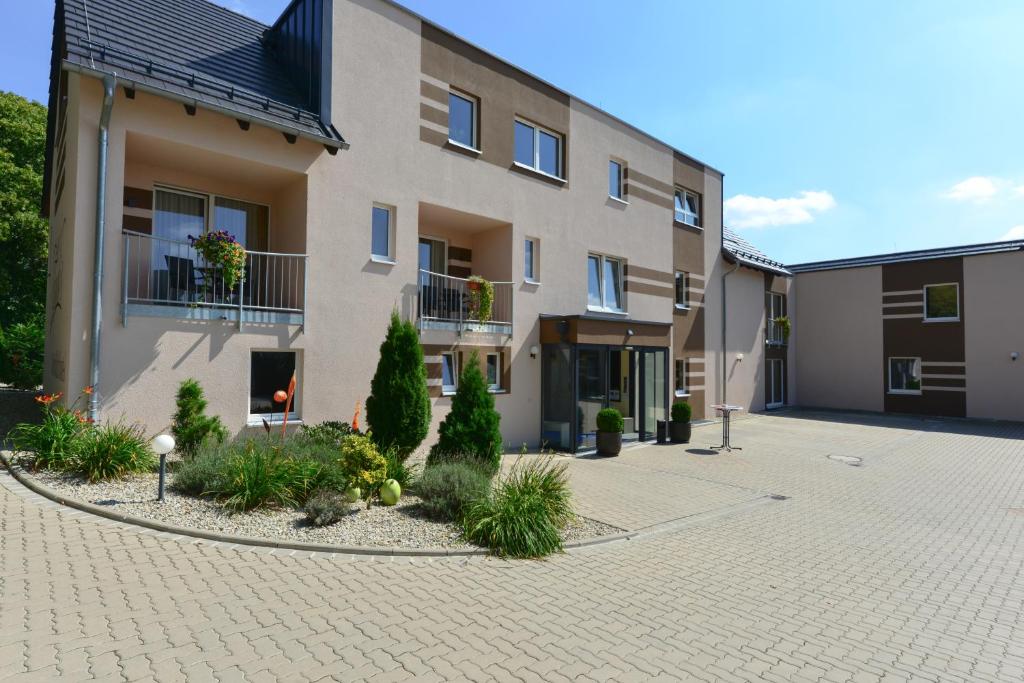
x=681 y=412
x=113 y=451
x=258 y=477
x=21 y=353
x=785 y=326
x=363 y=465
x=54 y=443
x=526 y=513
x=191 y=427
x=481 y=298
x=329 y=433
x=398 y=408
x=609 y=420
x=448 y=488
x=471 y=427
x=326 y=507
x=201 y=474
x=23 y=233
x=399 y=470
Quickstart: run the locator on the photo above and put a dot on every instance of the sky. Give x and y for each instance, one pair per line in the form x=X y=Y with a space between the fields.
x=843 y=128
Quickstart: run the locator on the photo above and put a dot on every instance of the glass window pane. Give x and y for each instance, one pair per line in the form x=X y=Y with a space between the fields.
x=492 y=370
x=448 y=374
x=529 y=271
x=594 y=281
x=549 y=153
x=612 y=293
x=381 y=232
x=691 y=203
x=614 y=180
x=271 y=371
x=679 y=206
x=941 y=301
x=903 y=374
x=461 y=120
x=524 y=144
x=246 y=222
x=681 y=298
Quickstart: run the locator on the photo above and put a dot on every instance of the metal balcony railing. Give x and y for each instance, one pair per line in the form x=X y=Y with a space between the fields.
x=774 y=335
x=446 y=302
x=165 y=273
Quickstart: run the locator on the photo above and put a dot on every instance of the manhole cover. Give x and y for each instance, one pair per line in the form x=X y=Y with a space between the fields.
x=848 y=459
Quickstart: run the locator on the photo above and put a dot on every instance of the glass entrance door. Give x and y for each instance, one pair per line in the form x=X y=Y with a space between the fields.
x=776 y=376
x=654 y=397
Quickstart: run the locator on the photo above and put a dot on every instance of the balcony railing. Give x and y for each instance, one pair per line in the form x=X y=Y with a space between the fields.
x=162 y=277
x=775 y=335
x=444 y=302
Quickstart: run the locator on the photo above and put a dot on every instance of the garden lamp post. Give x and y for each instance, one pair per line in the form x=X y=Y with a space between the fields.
x=162 y=445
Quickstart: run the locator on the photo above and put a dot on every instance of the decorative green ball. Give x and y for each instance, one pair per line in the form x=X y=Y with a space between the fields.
x=390 y=492
x=353 y=494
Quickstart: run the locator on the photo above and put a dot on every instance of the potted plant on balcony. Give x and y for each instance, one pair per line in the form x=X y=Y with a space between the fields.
x=680 y=427
x=481 y=298
x=783 y=325
x=609 y=431
x=222 y=253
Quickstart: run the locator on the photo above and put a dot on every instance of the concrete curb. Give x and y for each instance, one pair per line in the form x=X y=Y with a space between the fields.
x=28 y=482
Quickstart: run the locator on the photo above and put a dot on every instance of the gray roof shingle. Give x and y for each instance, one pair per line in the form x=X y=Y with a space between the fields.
x=191 y=50
x=739 y=250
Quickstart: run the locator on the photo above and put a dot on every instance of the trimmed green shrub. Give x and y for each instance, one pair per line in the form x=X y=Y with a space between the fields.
x=681 y=412
x=259 y=476
x=113 y=451
x=609 y=420
x=21 y=354
x=363 y=465
x=399 y=470
x=398 y=408
x=326 y=507
x=447 y=488
x=471 y=427
x=53 y=443
x=190 y=426
x=329 y=433
x=202 y=474
x=526 y=512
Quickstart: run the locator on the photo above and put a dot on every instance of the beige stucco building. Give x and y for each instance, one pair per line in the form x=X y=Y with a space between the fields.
x=369 y=160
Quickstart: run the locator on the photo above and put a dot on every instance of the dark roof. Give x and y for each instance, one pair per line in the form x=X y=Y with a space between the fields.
x=919 y=255
x=193 y=51
x=738 y=250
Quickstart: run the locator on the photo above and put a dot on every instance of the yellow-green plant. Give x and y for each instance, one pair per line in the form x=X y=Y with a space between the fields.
x=481 y=298
x=363 y=465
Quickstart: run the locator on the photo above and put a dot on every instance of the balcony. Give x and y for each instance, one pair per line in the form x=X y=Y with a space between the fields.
x=167 y=278
x=774 y=336
x=445 y=302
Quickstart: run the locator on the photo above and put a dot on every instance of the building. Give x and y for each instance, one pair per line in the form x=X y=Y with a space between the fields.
x=369 y=160
x=931 y=332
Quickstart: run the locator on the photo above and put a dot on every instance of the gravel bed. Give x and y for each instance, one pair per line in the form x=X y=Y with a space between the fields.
x=401 y=526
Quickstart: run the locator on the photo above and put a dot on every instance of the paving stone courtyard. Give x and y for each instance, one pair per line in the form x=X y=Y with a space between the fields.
x=775 y=562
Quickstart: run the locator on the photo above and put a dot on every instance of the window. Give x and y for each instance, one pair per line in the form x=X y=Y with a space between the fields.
x=530 y=270
x=494 y=371
x=776 y=310
x=904 y=375
x=381 y=247
x=270 y=371
x=615 y=185
x=538 y=149
x=687 y=207
x=604 y=283
x=682 y=289
x=681 y=386
x=449 y=374
x=942 y=302
x=462 y=120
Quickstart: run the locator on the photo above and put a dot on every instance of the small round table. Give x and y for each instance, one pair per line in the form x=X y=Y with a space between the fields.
x=726 y=410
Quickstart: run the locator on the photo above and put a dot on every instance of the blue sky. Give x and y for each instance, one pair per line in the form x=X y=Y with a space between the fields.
x=843 y=128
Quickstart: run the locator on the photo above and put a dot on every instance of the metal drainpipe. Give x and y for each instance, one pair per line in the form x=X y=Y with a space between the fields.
x=109 y=84
x=725 y=344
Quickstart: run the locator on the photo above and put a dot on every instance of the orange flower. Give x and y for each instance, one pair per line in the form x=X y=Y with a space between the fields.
x=355 y=418
x=87 y=391
x=47 y=399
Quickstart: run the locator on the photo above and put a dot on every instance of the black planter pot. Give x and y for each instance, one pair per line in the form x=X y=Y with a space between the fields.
x=679 y=431
x=609 y=443
x=662 y=431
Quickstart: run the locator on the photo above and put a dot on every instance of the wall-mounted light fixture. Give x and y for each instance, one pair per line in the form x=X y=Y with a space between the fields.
x=739 y=356
x=1015 y=355
x=534 y=351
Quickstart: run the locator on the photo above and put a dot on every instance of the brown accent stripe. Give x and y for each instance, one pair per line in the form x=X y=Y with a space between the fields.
x=432 y=92
x=652 y=290
x=459 y=271
x=904 y=308
x=943 y=381
x=432 y=136
x=138 y=198
x=652 y=183
x=942 y=370
x=649 y=274
x=900 y=298
x=460 y=254
x=433 y=114
x=648 y=196
x=137 y=224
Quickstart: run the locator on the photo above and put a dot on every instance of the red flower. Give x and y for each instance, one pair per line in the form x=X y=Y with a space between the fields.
x=87 y=391
x=47 y=399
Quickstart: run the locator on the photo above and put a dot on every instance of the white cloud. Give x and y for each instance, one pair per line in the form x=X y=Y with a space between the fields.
x=1014 y=233
x=745 y=211
x=1019 y=191
x=974 y=189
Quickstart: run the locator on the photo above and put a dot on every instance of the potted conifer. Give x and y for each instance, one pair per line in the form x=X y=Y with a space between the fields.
x=680 y=428
x=609 y=431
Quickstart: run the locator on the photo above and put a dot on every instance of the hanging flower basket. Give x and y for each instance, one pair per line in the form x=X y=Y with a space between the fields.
x=223 y=252
x=784 y=325
x=481 y=298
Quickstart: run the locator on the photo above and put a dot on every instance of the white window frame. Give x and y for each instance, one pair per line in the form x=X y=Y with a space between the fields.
x=494 y=387
x=537 y=129
x=676 y=214
x=621 y=196
x=924 y=302
x=450 y=389
x=604 y=307
x=684 y=391
x=388 y=258
x=888 y=372
x=685 y=306
x=276 y=417
x=533 y=279
x=474 y=145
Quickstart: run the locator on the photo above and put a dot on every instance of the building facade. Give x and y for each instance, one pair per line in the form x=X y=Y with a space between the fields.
x=370 y=161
